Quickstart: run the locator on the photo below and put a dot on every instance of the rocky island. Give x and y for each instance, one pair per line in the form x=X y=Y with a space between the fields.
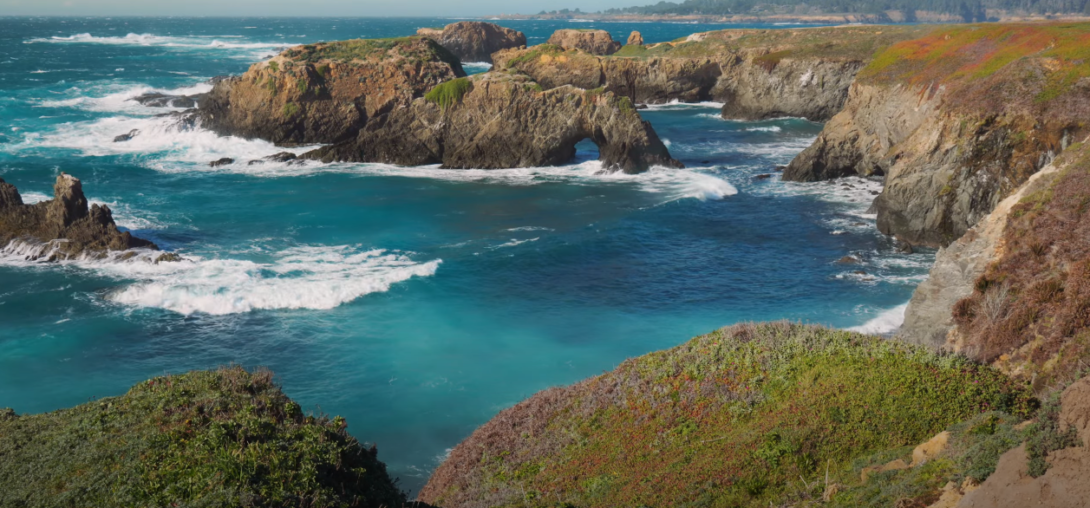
x=474 y=41
x=64 y=227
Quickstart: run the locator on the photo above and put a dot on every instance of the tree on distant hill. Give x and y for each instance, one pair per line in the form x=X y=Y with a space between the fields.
x=968 y=10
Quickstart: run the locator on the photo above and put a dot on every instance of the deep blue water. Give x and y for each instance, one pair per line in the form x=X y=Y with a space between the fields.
x=416 y=302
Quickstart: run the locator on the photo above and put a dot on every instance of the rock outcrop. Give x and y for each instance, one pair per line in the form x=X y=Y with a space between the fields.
x=474 y=41
x=1063 y=485
x=324 y=93
x=929 y=317
x=501 y=120
x=63 y=227
x=595 y=42
x=757 y=73
x=635 y=39
x=955 y=120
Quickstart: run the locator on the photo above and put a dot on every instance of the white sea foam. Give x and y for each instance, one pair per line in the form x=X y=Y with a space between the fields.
x=886 y=322
x=676 y=104
x=770 y=128
x=124 y=215
x=310 y=277
x=476 y=66
x=118 y=98
x=530 y=228
x=241 y=49
x=164 y=144
x=514 y=243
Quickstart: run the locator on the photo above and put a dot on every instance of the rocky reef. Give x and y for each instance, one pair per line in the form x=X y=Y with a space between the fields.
x=595 y=42
x=225 y=438
x=474 y=41
x=63 y=227
x=324 y=93
x=955 y=121
x=505 y=120
x=757 y=73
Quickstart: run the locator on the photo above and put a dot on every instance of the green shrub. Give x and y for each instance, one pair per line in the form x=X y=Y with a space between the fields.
x=224 y=438
x=274 y=66
x=450 y=93
x=1045 y=436
x=290 y=109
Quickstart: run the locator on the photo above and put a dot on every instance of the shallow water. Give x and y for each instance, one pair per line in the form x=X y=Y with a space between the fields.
x=416 y=302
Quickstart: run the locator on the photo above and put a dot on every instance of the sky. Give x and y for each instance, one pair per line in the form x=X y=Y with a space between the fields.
x=340 y=8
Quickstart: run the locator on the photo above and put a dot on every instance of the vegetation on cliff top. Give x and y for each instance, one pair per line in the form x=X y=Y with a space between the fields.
x=997 y=67
x=736 y=417
x=413 y=48
x=969 y=11
x=1030 y=310
x=449 y=93
x=209 y=438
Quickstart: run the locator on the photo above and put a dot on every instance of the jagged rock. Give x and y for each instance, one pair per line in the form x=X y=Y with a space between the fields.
x=160 y=100
x=221 y=162
x=475 y=41
x=848 y=260
x=502 y=120
x=635 y=39
x=324 y=93
x=762 y=177
x=63 y=227
x=126 y=137
x=595 y=42
x=276 y=157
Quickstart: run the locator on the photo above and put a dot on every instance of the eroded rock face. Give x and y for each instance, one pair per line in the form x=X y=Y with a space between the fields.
x=63 y=227
x=501 y=120
x=324 y=93
x=1063 y=485
x=475 y=41
x=595 y=42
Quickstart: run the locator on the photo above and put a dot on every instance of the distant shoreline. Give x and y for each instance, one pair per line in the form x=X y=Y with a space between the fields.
x=808 y=19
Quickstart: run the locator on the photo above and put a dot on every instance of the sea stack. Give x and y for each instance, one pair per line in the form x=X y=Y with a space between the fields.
x=63 y=227
x=635 y=39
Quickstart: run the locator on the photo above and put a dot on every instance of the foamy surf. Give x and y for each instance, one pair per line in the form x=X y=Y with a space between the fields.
x=310 y=277
x=885 y=323
x=118 y=98
x=241 y=49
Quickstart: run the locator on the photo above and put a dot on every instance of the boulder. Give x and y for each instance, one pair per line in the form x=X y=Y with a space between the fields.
x=474 y=41
x=324 y=93
x=635 y=39
x=221 y=162
x=63 y=227
x=595 y=42
x=505 y=120
x=276 y=157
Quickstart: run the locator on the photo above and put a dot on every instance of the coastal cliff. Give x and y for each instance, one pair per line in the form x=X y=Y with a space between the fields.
x=474 y=41
x=955 y=121
x=326 y=92
x=503 y=120
x=63 y=227
x=757 y=73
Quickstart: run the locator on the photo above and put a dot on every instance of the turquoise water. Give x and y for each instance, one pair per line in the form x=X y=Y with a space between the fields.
x=416 y=302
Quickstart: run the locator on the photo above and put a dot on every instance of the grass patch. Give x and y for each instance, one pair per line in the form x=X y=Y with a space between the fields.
x=450 y=93
x=211 y=438
x=290 y=109
x=1046 y=437
x=274 y=66
x=734 y=418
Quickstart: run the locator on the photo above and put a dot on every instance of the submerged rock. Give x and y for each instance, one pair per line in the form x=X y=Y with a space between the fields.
x=595 y=42
x=161 y=100
x=127 y=136
x=501 y=120
x=63 y=227
x=276 y=157
x=474 y=41
x=324 y=93
x=221 y=162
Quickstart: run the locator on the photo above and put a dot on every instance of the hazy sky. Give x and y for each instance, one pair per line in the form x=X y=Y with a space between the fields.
x=420 y=8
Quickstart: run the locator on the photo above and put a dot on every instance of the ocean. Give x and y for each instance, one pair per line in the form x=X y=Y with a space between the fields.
x=415 y=302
